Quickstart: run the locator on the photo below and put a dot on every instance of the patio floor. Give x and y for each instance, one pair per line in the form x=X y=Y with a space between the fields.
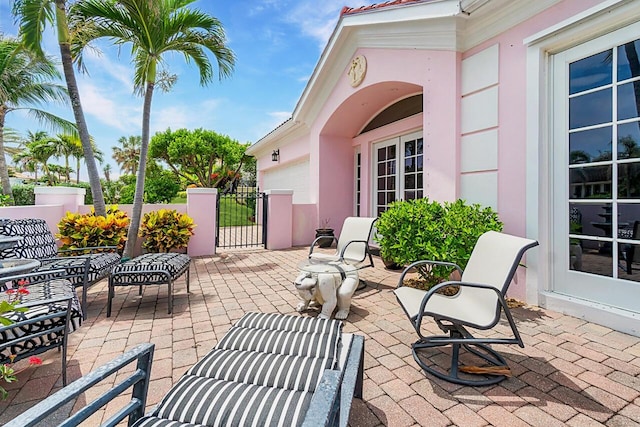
x=570 y=372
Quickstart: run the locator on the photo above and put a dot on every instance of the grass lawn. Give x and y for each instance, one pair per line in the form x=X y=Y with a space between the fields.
x=231 y=212
x=234 y=214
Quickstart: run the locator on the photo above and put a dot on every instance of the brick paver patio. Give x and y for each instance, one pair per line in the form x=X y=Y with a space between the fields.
x=570 y=372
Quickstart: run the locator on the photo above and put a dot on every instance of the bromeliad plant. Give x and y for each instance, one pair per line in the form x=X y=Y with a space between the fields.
x=422 y=229
x=91 y=230
x=166 y=229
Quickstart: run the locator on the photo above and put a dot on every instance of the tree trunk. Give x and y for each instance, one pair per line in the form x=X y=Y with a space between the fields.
x=4 y=172
x=136 y=214
x=74 y=95
x=78 y=172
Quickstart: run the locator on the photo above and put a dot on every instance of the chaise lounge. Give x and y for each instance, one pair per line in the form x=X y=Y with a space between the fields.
x=268 y=369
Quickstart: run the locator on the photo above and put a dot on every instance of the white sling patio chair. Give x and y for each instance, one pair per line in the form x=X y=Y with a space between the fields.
x=478 y=304
x=353 y=244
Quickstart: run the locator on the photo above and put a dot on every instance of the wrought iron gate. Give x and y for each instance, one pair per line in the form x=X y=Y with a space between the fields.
x=241 y=219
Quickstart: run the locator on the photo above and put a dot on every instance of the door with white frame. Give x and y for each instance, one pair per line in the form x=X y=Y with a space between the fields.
x=595 y=120
x=398 y=170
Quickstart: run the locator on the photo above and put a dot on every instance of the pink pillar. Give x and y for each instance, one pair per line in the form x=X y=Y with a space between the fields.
x=201 y=206
x=279 y=219
x=71 y=198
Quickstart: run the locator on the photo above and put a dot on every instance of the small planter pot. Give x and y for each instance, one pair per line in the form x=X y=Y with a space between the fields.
x=391 y=265
x=327 y=241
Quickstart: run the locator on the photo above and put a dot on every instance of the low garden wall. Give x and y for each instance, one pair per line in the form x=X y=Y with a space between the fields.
x=52 y=203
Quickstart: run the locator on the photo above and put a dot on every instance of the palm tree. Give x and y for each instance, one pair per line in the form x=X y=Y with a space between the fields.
x=107 y=172
x=79 y=155
x=33 y=15
x=128 y=156
x=25 y=83
x=68 y=146
x=154 y=28
x=43 y=148
x=26 y=161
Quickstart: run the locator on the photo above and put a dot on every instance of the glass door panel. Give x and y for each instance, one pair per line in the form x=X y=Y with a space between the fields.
x=597 y=207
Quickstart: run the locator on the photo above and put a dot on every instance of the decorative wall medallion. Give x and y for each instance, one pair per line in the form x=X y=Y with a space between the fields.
x=357 y=70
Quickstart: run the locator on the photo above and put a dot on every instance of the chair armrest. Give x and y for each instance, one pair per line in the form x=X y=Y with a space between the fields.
x=439 y=286
x=344 y=249
x=318 y=239
x=40 y=276
x=91 y=249
x=139 y=379
x=426 y=262
x=331 y=401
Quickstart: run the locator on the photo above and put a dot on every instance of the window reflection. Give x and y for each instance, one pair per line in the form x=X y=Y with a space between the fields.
x=590 y=182
x=627 y=96
x=591 y=72
x=629 y=140
x=588 y=146
x=628 y=60
x=590 y=109
x=599 y=242
x=629 y=181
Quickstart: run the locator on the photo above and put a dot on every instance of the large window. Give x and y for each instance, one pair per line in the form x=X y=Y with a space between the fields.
x=398 y=170
x=604 y=162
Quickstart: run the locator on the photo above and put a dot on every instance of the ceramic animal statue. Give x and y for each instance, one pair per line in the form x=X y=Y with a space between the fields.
x=328 y=290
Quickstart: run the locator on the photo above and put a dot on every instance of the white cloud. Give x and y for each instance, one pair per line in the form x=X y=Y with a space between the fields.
x=317 y=19
x=102 y=104
x=179 y=116
x=101 y=63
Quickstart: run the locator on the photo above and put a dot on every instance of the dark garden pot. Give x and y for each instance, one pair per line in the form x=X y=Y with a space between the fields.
x=391 y=265
x=327 y=241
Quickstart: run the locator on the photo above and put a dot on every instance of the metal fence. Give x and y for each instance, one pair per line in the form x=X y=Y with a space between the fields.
x=241 y=219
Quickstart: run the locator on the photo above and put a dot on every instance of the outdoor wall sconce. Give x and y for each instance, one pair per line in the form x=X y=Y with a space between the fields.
x=275 y=156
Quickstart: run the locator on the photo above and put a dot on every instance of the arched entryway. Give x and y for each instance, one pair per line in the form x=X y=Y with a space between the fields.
x=348 y=162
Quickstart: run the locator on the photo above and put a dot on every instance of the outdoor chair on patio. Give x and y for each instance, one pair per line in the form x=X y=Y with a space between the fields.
x=352 y=246
x=477 y=304
x=37 y=242
x=51 y=312
x=267 y=370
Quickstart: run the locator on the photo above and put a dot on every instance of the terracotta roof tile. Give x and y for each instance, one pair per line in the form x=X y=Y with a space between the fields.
x=351 y=10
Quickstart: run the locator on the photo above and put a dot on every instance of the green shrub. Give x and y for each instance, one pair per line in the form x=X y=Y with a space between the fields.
x=421 y=229
x=23 y=195
x=161 y=187
x=88 y=230
x=166 y=229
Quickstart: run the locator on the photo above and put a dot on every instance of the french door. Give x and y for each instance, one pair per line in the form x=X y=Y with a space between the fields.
x=398 y=170
x=596 y=170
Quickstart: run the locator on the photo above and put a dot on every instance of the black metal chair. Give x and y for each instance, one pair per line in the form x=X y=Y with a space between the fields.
x=52 y=312
x=478 y=305
x=83 y=267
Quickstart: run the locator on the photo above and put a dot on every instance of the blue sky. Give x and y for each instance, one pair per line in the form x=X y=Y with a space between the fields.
x=277 y=44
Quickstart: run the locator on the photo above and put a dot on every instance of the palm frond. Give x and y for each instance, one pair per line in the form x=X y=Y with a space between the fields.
x=32 y=16
x=52 y=121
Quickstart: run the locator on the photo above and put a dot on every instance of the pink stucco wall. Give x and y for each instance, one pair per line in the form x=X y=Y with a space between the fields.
x=52 y=203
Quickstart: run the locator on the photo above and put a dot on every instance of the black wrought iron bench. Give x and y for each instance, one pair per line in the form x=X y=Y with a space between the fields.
x=269 y=369
x=83 y=267
x=149 y=269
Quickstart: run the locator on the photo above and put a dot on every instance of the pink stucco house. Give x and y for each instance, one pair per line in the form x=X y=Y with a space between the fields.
x=513 y=104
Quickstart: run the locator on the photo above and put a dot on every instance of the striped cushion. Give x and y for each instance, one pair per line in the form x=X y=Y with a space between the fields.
x=262 y=372
x=214 y=403
x=150 y=421
x=270 y=370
